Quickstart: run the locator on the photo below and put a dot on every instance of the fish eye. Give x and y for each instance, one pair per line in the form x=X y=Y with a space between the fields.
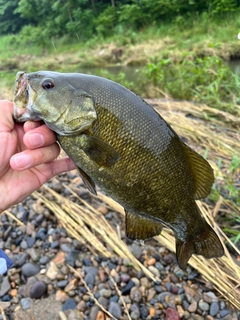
x=47 y=84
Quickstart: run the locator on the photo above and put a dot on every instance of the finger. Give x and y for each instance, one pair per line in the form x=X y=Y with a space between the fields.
x=61 y=165
x=31 y=158
x=6 y=121
x=39 y=137
x=30 y=125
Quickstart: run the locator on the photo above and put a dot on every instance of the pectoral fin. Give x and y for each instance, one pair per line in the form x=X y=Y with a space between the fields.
x=138 y=227
x=88 y=182
x=99 y=151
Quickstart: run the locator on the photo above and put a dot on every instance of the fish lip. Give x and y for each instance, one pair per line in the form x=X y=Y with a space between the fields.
x=24 y=96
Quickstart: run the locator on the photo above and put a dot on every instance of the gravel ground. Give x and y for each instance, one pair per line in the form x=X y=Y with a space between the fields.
x=42 y=285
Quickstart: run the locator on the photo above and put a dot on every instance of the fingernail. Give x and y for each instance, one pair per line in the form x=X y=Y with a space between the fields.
x=36 y=140
x=22 y=161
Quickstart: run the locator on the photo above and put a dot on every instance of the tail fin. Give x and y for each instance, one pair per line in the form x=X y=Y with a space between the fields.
x=206 y=244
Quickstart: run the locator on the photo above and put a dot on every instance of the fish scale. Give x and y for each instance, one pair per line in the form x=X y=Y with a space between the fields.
x=123 y=145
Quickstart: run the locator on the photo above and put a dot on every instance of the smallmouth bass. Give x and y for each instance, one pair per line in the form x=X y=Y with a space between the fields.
x=123 y=145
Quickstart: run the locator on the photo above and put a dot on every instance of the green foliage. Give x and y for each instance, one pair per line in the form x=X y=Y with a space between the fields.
x=85 y=17
x=106 y=21
x=206 y=80
x=10 y=20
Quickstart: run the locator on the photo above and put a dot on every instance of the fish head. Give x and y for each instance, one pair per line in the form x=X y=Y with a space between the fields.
x=51 y=97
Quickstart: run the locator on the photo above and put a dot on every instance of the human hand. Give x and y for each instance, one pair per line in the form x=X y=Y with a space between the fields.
x=27 y=157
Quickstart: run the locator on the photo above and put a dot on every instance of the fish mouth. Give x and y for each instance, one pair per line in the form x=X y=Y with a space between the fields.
x=24 y=99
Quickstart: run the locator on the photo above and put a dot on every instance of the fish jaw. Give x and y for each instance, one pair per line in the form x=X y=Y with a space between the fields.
x=24 y=99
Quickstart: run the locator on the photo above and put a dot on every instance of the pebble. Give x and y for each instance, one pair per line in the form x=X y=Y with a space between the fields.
x=203 y=305
x=214 y=308
x=135 y=294
x=4 y=286
x=44 y=260
x=89 y=279
x=30 y=269
x=38 y=290
x=69 y=304
x=224 y=313
x=26 y=303
x=52 y=270
x=30 y=241
x=126 y=290
x=172 y=314
x=115 y=309
x=61 y=296
x=192 y=307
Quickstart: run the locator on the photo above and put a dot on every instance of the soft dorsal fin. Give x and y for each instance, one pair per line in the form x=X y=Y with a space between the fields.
x=138 y=227
x=202 y=171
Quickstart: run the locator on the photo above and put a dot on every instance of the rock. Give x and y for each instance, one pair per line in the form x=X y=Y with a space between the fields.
x=172 y=314
x=89 y=279
x=4 y=305
x=135 y=294
x=69 y=304
x=145 y=282
x=106 y=293
x=13 y=292
x=71 y=257
x=154 y=270
x=62 y=284
x=161 y=297
x=4 y=286
x=21 y=259
x=27 y=287
x=38 y=290
x=26 y=303
x=34 y=254
x=115 y=309
x=144 y=312
x=55 y=244
x=94 y=313
x=61 y=296
x=30 y=269
x=224 y=313
x=72 y=285
x=52 y=271
x=125 y=277
x=126 y=290
x=66 y=247
x=104 y=302
x=30 y=241
x=192 y=307
x=44 y=260
x=60 y=258
x=214 y=308
x=100 y=316
x=81 y=306
x=151 y=294
x=203 y=305
x=135 y=315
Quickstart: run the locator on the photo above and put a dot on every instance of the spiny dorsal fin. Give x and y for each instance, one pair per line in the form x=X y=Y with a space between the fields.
x=202 y=171
x=138 y=227
x=99 y=151
x=88 y=182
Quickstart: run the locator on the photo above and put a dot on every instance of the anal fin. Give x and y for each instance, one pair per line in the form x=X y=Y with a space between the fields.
x=138 y=227
x=206 y=244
